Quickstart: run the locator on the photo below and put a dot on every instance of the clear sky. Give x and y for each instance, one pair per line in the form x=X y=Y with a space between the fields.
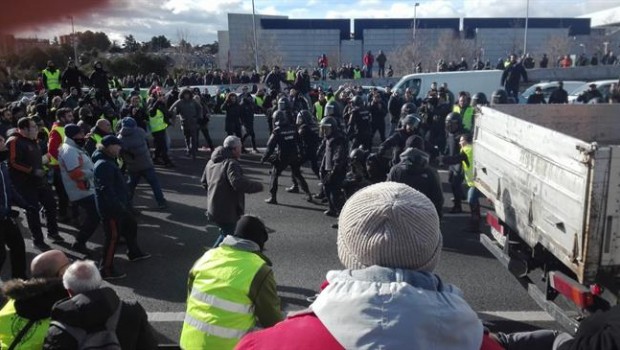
x=200 y=20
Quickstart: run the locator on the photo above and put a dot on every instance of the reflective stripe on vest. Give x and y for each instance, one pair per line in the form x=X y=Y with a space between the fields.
x=61 y=131
x=219 y=309
x=318 y=108
x=11 y=324
x=53 y=79
x=468 y=150
x=467 y=117
x=259 y=101
x=156 y=122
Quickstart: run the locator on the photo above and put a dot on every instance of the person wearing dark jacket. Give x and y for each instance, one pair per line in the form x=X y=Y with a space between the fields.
x=378 y=112
x=333 y=167
x=413 y=170
x=190 y=112
x=30 y=301
x=113 y=205
x=247 y=119
x=10 y=236
x=159 y=120
x=99 y=80
x=273 y=79
x=226 y=187
x=396 y=142
x=102 y=128
x=72 y=77
x=511 y=77
x=395 y=103
x=28 y=177
x=232 y=123
x=536 y=98
x=92 y=307
x=559 y=95
x=285 y=146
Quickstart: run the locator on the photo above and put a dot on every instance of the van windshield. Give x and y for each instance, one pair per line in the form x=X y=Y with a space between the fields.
x=413 y=84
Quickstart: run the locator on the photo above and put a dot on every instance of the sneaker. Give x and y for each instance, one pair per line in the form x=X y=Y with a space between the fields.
x=40 y=245
x=293 y=189
x=141 y=256
x=112 y=275
x=271 y=200
x=56 y=238
x=256 y=151
x=331 y=213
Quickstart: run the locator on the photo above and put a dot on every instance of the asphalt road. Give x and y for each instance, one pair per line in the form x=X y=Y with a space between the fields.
x=302 y=249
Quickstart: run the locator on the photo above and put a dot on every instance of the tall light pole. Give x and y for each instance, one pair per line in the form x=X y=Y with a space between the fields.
x=415 y=7
x=255 y=39
x=527 y=16
x=74 y=42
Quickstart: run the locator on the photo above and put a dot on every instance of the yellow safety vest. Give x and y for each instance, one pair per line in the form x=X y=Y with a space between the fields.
x=259 y=100
x=157 y=123
x=467 y=116
x=319 y=109
x=357 y=74
x=290 y=75
x=468 y=150
x=115 y=122
x=11 y=324
x=61 y=131
x=219 y=309
x=97 y=138
x=53 y=79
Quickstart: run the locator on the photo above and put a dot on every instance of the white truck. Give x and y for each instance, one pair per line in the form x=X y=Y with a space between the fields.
x=552 y=174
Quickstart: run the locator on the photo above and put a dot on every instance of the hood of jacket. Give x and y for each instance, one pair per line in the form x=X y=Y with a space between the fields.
x=89 y=310
x=220 y=154
x=379 y=307
x=35 y=297
x=99 y=154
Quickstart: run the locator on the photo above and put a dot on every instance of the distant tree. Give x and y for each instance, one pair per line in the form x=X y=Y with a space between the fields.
x=93 y=40
x=557 y=46
x=158 y=43
x=115 y=48
x=130 y=44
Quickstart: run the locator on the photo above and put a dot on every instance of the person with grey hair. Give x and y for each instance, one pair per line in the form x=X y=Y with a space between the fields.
x=93 y=307
x=226 y=187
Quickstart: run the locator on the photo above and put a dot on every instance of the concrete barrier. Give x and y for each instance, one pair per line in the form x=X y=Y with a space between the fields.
x=587 y=73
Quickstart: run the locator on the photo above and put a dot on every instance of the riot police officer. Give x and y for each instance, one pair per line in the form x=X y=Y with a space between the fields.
x=334 y=164
x=359 y=127
x=397 y=141
x=479 y=99
x=499 y=97
x=357 y=177
x=283 y=150
x=309 y=137
x=454 y=128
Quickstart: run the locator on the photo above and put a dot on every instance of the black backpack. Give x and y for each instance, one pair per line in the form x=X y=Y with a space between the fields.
x=103 y=338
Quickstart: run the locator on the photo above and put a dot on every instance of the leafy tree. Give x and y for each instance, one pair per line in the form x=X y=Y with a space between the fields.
x=158 y=43
x=131 y=44
x=93 y=40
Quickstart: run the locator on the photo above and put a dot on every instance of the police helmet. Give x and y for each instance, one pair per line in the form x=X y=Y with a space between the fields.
x=479 y=99
x=327 y=126
x=282 y=104
x=331 y=109
x=453 y=122
x=412 y=120
x=358 y=155
x=304 y=117
x=499 y=97
x=358 y=101
x=408 y=108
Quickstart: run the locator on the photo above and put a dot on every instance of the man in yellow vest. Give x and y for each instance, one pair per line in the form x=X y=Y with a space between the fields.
x=51 y=81
x=25 y=318
x=319 y=107
x=473 y=194
x=230 y=287
x=466 y=111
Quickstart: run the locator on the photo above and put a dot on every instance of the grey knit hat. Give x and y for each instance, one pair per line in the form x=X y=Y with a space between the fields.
x=391 y=225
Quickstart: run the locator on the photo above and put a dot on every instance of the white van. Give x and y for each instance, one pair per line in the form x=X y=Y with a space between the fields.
x=485 y=81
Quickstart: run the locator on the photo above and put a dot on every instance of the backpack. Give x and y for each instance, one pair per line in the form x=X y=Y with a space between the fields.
x=104 y=338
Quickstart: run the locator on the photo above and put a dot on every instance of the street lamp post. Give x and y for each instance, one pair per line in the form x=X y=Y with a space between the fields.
x=415 y=7
x=527 y=17
x=74 y=41
x=255 y=39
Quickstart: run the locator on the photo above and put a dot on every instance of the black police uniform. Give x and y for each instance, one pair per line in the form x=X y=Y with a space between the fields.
x=359 y=129
x=396 y=142
x=333 y=169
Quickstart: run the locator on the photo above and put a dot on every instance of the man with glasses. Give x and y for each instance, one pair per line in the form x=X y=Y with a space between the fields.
x=28 y=177
x=25 y=318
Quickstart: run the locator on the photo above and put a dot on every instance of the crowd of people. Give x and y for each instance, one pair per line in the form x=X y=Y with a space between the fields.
x=67 y=149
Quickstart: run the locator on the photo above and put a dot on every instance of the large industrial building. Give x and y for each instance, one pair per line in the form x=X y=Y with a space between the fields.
x=299 y=42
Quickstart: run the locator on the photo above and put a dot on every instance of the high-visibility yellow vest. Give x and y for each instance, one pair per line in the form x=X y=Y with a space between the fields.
x=97 y=138
x=11 y=324
x=156 y=122
x=467 y=116
x=259 y=100
x=61 y=131
x=53 y=79
x=468 y=150
x=357 y=74
x=290 y=75
x=318 y=111
x=219 y=309
x=114 y=123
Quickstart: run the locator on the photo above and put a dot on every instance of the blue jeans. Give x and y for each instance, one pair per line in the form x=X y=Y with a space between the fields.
x=473 y=194
x=151 y=178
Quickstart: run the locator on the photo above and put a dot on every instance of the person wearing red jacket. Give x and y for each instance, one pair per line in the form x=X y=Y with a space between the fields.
x=64 y=116
x=388 y=297
x=369 y=60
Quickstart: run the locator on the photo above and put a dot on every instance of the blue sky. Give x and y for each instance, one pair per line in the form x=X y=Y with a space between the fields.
x=199 y=20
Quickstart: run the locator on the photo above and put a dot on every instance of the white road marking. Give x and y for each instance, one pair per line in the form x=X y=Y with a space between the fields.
x=517 y=316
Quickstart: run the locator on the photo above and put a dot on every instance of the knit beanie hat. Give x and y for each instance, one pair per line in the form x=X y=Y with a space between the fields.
x=128 y=122
x=71 y=130
x=252 y=228
x=392 y=225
